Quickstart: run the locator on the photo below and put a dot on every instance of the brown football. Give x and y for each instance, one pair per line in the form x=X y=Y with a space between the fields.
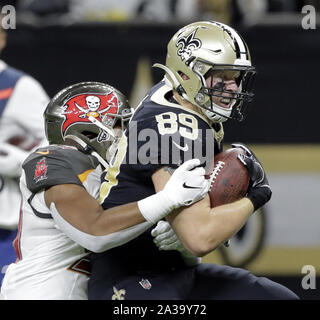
x=230 y=178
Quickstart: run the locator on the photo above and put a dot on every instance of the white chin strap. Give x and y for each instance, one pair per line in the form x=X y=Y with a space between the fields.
x=100 y=159
x=218 y=114
x=221 y=115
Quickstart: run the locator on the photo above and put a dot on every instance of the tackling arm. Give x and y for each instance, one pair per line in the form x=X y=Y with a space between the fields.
x=82 y=211
x=82 y=218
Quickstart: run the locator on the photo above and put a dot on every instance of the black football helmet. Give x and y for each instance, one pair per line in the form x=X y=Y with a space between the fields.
x=87 y=112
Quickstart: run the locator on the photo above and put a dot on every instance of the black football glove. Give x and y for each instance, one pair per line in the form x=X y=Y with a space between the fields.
x=259 y=191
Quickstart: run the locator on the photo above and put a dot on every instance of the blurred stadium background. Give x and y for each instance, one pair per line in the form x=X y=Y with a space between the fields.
x=59 y=44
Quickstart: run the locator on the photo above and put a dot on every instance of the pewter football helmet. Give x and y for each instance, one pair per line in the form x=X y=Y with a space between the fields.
x=207 y=48
x=87 y=112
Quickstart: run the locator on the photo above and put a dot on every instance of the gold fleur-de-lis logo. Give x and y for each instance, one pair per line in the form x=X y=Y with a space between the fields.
x=118 y=294
x=186 y=44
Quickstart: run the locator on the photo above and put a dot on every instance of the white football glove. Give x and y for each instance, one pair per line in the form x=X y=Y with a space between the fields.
x=11 y=159
x=186 y=186
x=166 y=239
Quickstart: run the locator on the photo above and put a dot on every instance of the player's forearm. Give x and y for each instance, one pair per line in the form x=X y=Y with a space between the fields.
x=97 y=243
x=202 y=229
x=84 y=213
x=226 y=221
x=116 y=219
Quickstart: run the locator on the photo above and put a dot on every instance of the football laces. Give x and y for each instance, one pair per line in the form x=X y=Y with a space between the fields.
x=213 y=176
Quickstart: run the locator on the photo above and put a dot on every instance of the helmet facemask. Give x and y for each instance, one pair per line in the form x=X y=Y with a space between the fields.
x=115 y=123
x=111 y=120
x=226 y=90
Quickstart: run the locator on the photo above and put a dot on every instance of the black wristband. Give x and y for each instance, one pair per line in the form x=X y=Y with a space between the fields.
x=259 y=196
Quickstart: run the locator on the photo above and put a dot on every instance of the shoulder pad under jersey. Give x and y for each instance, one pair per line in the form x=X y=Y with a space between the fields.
x=57 y=164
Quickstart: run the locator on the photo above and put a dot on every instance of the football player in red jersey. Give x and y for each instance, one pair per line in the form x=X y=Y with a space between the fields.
x=60 y=217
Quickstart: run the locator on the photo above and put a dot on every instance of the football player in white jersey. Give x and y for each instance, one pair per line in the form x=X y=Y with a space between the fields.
x=60 y=218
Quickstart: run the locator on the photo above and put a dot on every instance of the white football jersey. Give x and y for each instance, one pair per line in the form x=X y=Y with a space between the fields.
x=50 y=265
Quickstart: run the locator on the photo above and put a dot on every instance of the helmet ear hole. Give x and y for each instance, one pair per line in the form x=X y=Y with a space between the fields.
x=89 y=134
x=183 y=75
